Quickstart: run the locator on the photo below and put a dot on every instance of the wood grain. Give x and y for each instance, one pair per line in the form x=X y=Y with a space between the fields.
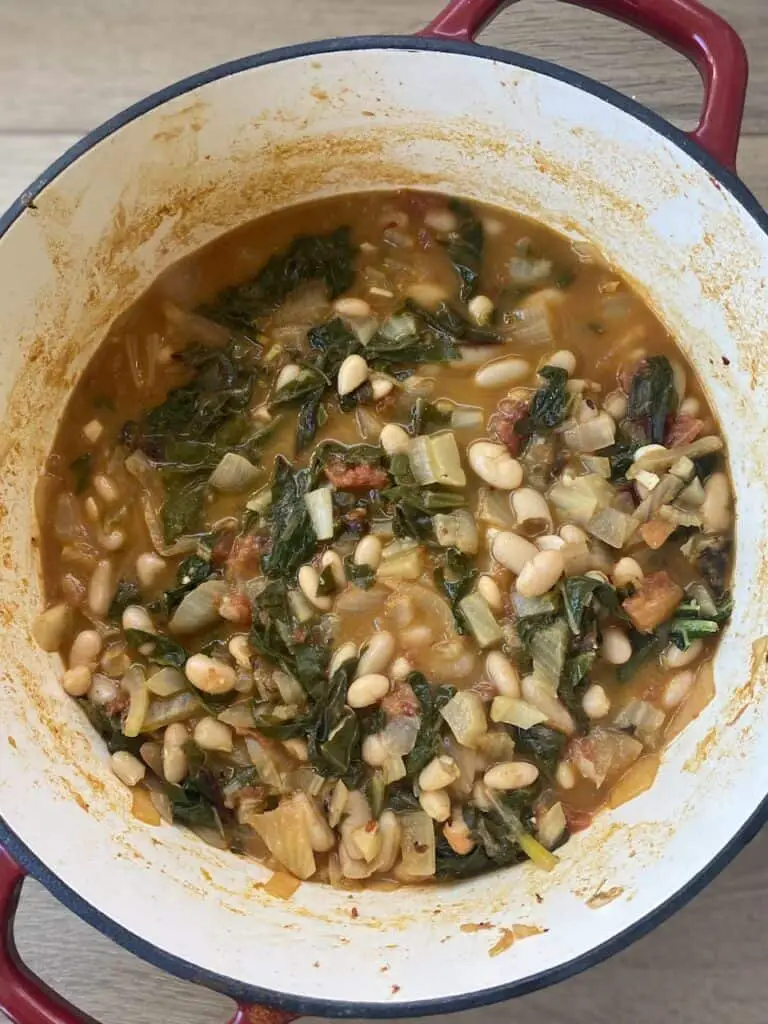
x=65 y=68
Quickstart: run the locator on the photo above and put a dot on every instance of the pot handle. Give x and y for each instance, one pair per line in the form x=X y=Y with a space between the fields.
x=699 y=34
x=25 y=999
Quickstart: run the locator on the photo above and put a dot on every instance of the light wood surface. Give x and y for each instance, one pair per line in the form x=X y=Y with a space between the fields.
x=66 y=67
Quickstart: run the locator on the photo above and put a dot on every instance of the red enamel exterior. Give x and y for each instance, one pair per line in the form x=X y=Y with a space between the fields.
x=25 y=999
x=698 y=33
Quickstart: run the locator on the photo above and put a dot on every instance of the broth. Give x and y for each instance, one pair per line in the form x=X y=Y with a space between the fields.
x=418 y=434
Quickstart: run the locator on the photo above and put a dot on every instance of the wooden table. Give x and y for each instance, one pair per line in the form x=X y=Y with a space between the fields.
x=66 y=67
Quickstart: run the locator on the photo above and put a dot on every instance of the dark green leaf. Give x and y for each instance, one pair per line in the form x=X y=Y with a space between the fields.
x=109 y=727
x=464 y=247
x=81 y=471
x=183 y=507
x=455 y=577
x=127 y=593
x=431 y=700
x=652 y=396
x=548 y=405
x=162 y=650
x=363 y=576
x=327 y=258
x=426 y=418
x=645 y=646
x=541 y=745
x=293 y=537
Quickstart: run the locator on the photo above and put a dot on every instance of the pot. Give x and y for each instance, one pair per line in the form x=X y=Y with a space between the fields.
x=232 y=143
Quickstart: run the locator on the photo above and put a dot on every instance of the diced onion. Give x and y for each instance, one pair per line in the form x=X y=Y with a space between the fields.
x=435 y=459
x=481 y=620
x=399 y=736
x=612 y=527
x=133 y=683
x=320 y=507
x=513 y=711
x=636 y=780
x=175 y=709
x=234 y=474
x=591 y=436
x=524 y=272
x=199 y=609
x=166 y=682
x=287 y=835
x=551 y=826
x=418 y=845
x=465 y=715
x=457 y=529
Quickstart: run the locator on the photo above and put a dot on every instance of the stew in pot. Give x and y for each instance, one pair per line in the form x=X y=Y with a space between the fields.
x=387 y=537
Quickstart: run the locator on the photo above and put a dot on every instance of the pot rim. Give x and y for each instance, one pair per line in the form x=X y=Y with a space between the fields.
x=313 y=1006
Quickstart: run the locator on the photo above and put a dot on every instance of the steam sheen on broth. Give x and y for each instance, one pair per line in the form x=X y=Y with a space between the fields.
x=387 y=537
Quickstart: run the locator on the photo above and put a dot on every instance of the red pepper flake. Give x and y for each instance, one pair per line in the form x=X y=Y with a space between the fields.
x=354 y=912
x=395 y=989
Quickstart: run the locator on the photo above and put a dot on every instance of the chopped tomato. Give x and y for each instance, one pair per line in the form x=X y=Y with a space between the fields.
x=683 y=430
x=654 y=600
x=401 y=700
x=352 y=478
x=502 y=424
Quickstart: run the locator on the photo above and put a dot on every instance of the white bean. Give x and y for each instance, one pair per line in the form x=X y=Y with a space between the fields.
x=394 y=439
x=175 y=735
x=436 y=803
x=344 y=653
x=367 y=690
x=503 y=674
x=500 y=373
x=715 y=510
x=673 y=657
x=352 y=373
x=494 y=465
x=101 y=588
x=439 y=773
x=565 y=776
x=377 y=654
x=690 y=406
x=481 y=309
x=400 y=669
x=240 y=650
x=530 y=507
x=441 y=219
x=573 y=534
x=513 y=551
x=489 y=590
x=625 y=571
x=127 y=768
x=416 y=637
x=136 y=617
x=540 y=574
x=106 y=488
x=86 y=648
x=77 y=681
x=616 y=405
x=352 y=307
x=210 y=734
x=564 y=359
x=149 y=568
x=511 y=775
x=112 y=541
x=368 y=552
x=332 y=560
x=428 y=295
x=616 y=648
x=209 y=674
x=309 y=581
x=677 y=689
x=373 y=751
x=289 y=373
x=50 y=628
x=381 y=387
x=549 y=542
x=175 y=764
x=595 y=701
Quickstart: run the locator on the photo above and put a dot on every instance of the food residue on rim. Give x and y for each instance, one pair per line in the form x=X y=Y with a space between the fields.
x=282 y=885
x=509 y=936
x=604 y=896
x=470 y=928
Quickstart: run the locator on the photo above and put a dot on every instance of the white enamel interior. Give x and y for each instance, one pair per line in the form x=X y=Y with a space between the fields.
x=199 y=164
